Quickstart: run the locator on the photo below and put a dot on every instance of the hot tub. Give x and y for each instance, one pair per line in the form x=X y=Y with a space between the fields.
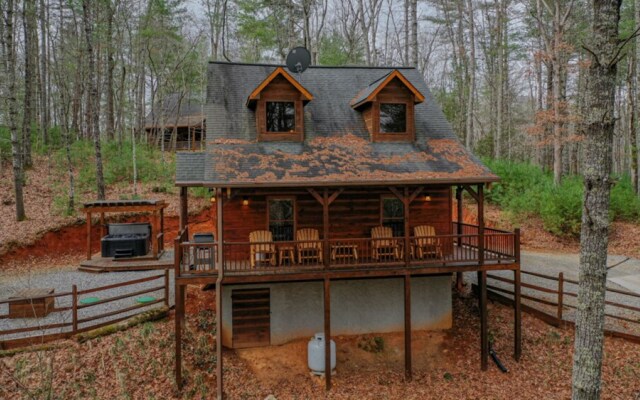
x=126 y=240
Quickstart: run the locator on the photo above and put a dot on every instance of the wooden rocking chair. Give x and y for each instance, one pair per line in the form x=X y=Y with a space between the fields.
x=426 y=242
x=311 y=246
x=263 y=249
x=383 y=245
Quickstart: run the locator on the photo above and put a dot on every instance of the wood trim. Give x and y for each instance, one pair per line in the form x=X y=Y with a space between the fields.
x=418 y=97
x=255 y=95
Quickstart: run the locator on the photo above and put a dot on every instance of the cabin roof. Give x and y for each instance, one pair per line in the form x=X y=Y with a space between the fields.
x=336 y=147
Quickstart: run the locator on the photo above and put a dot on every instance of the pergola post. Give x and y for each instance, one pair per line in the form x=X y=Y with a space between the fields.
x=88 y=236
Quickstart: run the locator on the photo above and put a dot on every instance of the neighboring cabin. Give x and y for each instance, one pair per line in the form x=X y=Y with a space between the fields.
x=179 y=122
x=334 y=195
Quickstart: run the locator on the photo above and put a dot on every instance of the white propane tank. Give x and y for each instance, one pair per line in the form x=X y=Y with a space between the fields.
x=315 y=354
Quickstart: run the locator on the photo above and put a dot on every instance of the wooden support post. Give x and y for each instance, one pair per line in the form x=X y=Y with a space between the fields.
x=484 y=335
x=88 y=236
x=407 y=327
x=407 y=241
x=154 y=233
x=184 y=208
x=162 y=225
x=327 y=333
x=178 y=320
x=166 y=287
x=517 y=316
x=459 y=275
x=517 y=319
x=481 y=224
x=219 y=318
x=74 y=307
x=560 y=297
x=102 y=226
x=325 y=230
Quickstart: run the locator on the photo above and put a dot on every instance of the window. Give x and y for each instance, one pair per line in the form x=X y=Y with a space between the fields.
x=393 y=118
x=281 y=116
x=282 y=219
x=393 y=215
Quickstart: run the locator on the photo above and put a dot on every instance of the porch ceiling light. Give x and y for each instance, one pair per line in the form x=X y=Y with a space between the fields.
x=245 y=201
x=427 y=197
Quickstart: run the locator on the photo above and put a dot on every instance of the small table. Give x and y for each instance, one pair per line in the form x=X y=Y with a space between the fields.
x=344 y=251
x=286 y=252
x=30 y=303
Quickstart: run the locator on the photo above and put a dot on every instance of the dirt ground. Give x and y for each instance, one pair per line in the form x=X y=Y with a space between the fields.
x=138 y=364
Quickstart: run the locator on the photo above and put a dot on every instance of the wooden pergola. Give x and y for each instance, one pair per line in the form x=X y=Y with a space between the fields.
x=155 y=207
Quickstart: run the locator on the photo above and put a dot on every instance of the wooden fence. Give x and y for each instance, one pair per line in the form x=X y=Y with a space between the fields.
x=554 y=302
x=89 y=322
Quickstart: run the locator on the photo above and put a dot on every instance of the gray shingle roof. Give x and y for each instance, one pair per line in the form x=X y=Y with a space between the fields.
x=336 y=149
x=189 y=112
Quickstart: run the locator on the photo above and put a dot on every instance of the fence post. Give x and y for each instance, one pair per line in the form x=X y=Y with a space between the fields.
x=166 y=287
x=560 y=297
x=74 y=294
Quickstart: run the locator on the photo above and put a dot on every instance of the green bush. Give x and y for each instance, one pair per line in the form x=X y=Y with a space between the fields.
x=525 y=190
x=117 y=162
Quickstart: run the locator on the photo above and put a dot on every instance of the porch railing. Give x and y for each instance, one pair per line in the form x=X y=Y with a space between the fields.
x=296 y=256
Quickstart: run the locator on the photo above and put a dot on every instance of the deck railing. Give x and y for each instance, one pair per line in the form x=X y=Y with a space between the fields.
x=313 y=255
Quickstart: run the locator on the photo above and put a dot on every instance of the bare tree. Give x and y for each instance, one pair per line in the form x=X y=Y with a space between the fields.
x=16 y=148
x=604 y=50
x=92 y=102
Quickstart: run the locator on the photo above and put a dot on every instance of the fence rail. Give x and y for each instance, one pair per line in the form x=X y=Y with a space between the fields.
x=540 y=295
x=75 y=321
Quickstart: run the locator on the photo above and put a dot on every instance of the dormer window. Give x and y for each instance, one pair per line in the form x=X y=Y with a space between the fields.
x=393 y=118
x=281 y=116
x=278 y=103
x=387 y=106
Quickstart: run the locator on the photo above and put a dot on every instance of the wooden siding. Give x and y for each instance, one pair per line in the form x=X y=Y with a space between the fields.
x=351 y=215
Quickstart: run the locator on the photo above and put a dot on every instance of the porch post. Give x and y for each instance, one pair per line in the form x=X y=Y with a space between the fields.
x=184 y=209
x=102 y=230
x=517 y=305
x=459 y=275
x=484 y=336
x=327 y=333
x=220 y=269
x=407 y=243
x=481 y=224
x=407 y=327
x=179 y=316
x=325 y=237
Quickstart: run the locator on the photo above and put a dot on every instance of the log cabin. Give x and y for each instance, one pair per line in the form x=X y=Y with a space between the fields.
x=334 y=196
x=178 y=123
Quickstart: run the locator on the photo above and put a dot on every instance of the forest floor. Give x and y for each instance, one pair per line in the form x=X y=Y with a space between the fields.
x=138 y=363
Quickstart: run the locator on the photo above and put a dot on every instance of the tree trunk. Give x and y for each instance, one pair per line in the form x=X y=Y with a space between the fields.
x=472 y=78
x=45 y=113
x=414 y=33
x=92 y=103
x=16 y=148
x=599 y=128
x=30 y=44
x=111 y=65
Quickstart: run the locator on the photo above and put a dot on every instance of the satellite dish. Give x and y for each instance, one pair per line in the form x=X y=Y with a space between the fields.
x=298 y=60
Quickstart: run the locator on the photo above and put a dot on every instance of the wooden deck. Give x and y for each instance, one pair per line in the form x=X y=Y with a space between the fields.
x=143 y=263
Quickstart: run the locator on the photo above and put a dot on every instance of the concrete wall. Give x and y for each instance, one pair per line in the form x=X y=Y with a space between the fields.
x=357 y=307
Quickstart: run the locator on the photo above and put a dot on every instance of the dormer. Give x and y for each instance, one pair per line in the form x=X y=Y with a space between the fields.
x=387 y=106
x=278 y=103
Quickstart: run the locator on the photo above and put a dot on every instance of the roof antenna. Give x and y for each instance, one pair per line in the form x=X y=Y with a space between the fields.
x=298 y=60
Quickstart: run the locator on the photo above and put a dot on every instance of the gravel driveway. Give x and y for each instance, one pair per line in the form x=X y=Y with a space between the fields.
x=62 y=280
